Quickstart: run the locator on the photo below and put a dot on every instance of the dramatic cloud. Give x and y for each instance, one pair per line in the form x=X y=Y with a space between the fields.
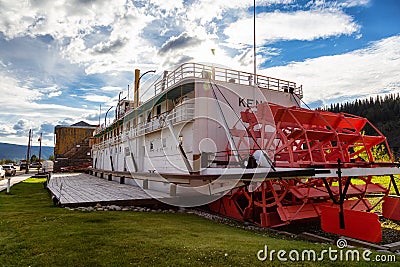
x=20 y=125
x=74 y=25
x=47 y=128
x=181 y=42
x=109 y=46
x=60 y=19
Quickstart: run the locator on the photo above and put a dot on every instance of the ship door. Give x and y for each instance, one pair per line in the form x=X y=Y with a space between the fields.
x=141 y=157
x=158 y=111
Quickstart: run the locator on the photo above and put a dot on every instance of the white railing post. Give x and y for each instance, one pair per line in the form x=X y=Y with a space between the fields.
x=8 y=184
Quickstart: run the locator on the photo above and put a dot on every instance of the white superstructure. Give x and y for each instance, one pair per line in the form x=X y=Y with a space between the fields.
x=189 y=125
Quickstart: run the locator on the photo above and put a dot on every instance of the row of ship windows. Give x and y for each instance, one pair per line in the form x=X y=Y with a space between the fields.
x=163 y=142
x=151 y=145
x=133 y=123
x=116 y=150
x=150 y=114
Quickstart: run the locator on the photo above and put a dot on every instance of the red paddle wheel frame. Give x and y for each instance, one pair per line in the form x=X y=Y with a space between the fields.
x=311 y=139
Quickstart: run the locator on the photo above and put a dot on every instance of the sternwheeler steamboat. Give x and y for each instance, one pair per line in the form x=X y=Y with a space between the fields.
x=242 y=144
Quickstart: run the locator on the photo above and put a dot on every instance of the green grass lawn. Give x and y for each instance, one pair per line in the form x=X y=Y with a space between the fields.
x=34 y=233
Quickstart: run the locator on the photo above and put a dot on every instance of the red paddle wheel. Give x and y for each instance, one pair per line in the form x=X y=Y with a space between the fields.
x=335 y=147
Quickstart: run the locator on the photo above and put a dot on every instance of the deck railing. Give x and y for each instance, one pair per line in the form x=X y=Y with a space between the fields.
x=183 y=112
x=201 y=71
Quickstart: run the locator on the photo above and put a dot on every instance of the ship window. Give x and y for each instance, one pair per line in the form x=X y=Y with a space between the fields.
x=120 y=149
x=158 y=110
x=151 y=146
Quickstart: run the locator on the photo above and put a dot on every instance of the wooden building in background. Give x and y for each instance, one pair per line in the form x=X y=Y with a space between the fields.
x=72 y=148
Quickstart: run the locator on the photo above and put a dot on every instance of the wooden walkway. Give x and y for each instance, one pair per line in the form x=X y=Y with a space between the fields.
x=78 y=189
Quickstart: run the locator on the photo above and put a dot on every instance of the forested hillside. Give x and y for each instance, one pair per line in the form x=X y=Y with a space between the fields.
x=381 y=111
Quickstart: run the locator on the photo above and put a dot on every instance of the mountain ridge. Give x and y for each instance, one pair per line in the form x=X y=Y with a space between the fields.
x=18 y=152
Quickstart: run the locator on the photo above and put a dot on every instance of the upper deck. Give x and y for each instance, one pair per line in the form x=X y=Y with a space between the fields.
x=207 y=72
x=203 y=72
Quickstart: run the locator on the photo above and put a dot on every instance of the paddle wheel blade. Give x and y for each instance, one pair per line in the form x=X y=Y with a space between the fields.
x=391 y=208
x=358 y=224
x=227 y=206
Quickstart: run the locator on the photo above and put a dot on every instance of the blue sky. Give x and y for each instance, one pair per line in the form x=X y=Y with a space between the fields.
x=61 y=60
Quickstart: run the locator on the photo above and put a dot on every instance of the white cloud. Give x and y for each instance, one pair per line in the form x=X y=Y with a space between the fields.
x=111 y=89
x=71 y=23
x=97 y=98
x=299 y=25
x=33 y=115
x=207 y=10
x=169 y=5
x=14 y=94
x=352 y=3
x=49 y=92
x=6 y=129
x=60 y=18
x=54 y=94
x=337 y=4
x=362 y=72
x=20 y=111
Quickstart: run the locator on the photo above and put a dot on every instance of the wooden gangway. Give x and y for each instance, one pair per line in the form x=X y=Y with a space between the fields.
x=79 y=189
